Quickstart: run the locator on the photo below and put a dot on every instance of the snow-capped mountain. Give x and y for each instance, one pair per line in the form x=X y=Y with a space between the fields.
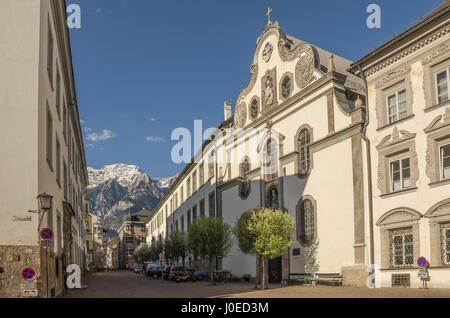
x=116 y=190
x=166 y=183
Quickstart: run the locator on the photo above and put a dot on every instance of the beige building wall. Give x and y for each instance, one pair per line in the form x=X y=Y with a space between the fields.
x=28 y=95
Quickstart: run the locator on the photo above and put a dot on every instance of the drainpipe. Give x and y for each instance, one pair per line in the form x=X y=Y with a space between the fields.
x=369 y=168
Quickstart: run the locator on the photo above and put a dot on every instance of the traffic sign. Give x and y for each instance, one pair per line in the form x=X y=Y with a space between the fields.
x=28 y=273
x=47 y=234
x=30 y=293
x=422 y=261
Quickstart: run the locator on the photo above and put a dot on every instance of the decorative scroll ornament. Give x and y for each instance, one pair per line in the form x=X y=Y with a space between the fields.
x=304 y=70
x=240 y=116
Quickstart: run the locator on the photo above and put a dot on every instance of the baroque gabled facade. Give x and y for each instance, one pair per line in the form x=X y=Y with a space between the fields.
x=369 y=188
x=303 y=110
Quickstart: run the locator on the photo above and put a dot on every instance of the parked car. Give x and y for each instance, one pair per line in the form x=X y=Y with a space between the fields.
x=166 y=272
x=155 y=271
x=176 y=271
x=199 y=275
x=138 y=268
x=148 y=267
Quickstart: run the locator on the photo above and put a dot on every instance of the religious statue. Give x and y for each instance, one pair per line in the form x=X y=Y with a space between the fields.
x=268 y=92
x=273 y=199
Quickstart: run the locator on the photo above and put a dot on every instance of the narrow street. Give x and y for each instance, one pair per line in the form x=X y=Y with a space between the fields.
x=126 y=284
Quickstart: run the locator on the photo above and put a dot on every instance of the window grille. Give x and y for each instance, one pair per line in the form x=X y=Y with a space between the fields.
x=445 y=243
x=401 y=280
x=401 y=248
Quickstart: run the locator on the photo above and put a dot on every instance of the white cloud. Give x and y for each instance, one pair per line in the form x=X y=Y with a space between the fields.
x=98 y=10
x=155 y=139
x=153 y=119
x=105 y=135
x=87 y=130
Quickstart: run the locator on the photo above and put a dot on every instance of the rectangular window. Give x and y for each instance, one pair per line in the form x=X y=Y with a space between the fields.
x=401 y=242
x=212 y=204
x=58 y=161
x=396 y=104
x=400 y=175
x=181 y=195
x=58 y=92
x=65 y=179
x=182 y=223
x=50 y=53
x=188 y=184
x=445 y=162
x=201 y=174
x=65 y=122
x=442 y=84
x=166 y=211
x=202 y=208
x=194 y=213
x=49 y=137
x=194 y=182
x=189 y=217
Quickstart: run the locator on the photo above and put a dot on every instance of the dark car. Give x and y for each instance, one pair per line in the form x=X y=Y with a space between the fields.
x=176 y=271
x=166 y=272
x=155 y=272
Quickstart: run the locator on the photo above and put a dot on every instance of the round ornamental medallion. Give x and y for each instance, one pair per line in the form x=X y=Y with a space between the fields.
x=267 y=52
x=240 y=115
x=304 y=70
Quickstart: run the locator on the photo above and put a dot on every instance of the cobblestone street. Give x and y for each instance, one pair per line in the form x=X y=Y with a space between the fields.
x=125 y=284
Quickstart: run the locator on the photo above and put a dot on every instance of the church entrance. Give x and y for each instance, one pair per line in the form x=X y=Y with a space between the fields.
x=275 y=274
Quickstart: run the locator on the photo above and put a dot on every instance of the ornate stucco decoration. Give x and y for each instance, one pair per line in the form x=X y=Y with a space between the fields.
x=251 y=84
x=399 y=215
x=397 y=142
x=393 y=75
x=437 y=129
x=435 y=54
x=411 y=49
x=267 y=52
x=240 y=116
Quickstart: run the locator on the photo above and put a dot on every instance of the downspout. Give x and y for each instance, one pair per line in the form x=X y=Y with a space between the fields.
x=369 y=168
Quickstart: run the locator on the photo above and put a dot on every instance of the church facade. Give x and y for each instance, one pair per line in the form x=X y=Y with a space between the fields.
x=302 y=141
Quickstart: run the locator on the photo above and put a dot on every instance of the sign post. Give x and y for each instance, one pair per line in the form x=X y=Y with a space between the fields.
x=47 y=237
x=423 y=271
x=28 y=274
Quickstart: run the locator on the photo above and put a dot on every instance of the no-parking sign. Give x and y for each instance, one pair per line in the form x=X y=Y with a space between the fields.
x=28 y=273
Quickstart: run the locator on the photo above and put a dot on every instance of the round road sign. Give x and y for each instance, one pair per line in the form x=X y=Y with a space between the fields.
x=28 y=273
x=422 y=261
x=47 y=234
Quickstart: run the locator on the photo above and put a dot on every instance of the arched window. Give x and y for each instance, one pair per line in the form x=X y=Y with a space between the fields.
x=306 y=220
x=304 y=141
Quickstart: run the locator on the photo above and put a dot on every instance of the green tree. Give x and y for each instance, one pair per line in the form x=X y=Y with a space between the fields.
x=168 y=250
x=142 y=254
x=180 y=245
x=210 y=238
x=264 y=232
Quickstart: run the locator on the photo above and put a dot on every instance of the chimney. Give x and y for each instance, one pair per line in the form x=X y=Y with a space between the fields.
x=227 y=110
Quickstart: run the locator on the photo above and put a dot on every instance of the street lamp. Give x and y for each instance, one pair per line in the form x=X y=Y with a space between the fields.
x=45 y=201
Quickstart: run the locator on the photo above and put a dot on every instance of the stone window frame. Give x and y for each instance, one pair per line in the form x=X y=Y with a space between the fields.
x=394 y=146
x=389 y=84
x=285 y=75
x=303 y=174
x=437 y=60
x=299 y=220
x=393 y=220
x=258 y=103
x=438 y=135
x=438 y=215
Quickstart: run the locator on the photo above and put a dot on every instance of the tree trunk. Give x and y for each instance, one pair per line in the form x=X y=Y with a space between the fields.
x=211 y=267
x=182 y=261
x=263 y=271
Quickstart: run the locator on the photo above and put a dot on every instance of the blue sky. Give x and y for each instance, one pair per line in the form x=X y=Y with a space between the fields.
x=143 y=68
